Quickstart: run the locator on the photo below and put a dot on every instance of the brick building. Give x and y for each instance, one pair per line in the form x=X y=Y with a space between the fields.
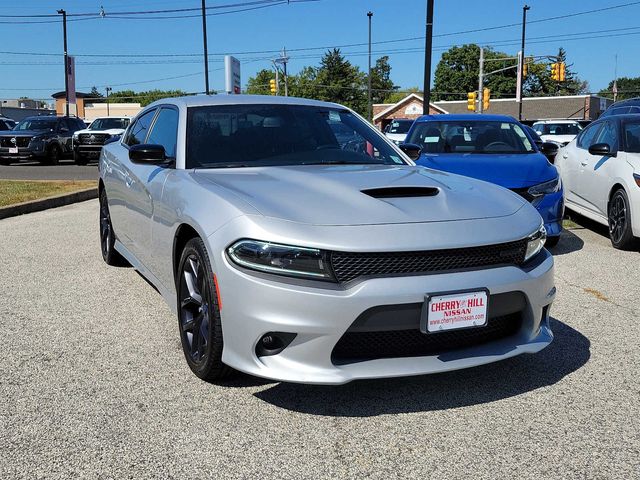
x=409 y=107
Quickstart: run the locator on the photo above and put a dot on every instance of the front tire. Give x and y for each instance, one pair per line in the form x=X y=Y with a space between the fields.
x=107 y=236
x=619 y=214
x=199 y=320
x=53 y=155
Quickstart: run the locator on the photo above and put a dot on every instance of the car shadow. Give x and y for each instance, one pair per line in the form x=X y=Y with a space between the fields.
x=569 y=242
x=488 y=383
x=589 y=224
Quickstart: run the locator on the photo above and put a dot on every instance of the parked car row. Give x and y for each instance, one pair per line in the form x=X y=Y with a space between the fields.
x=49 y=138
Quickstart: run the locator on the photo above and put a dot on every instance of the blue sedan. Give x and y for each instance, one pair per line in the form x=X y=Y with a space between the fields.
x=493 y=148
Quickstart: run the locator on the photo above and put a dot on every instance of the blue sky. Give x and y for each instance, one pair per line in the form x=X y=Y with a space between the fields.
x=323 y=23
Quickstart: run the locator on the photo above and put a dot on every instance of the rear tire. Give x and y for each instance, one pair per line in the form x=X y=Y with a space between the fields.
x=199 y=321
x=107 y=236
x=619 y=216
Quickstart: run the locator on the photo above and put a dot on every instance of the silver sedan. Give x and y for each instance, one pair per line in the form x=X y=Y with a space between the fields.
x=293 y=251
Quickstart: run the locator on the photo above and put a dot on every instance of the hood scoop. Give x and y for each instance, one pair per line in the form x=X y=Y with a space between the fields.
x=401 y=192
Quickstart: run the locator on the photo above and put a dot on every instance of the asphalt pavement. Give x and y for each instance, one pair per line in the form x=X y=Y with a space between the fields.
x=66 y=170
x=93 y=384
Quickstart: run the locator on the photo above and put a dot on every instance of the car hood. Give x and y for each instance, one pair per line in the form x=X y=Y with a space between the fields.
x=333 y=195
x=24 y=133
x=111 y=131
x=507 y=170
x=557 y=138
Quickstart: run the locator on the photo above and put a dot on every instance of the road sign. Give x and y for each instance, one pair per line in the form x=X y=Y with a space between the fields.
x=232 y=74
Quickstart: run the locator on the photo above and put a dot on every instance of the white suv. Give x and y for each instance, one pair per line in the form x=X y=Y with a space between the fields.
x=87 y=143
x=559 y=132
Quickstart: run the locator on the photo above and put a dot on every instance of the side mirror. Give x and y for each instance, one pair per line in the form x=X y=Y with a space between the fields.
x=411 y=149
x=147 y=153
x=602 y=149
x=549 y=150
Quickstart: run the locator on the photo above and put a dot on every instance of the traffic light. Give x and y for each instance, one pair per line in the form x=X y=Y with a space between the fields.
x=486 y=96
x=272 y=86
x=555 y=71
x=471 y=101
x=524 y=70
x=561 y=71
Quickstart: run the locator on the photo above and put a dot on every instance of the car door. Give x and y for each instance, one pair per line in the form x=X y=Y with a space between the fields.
x=64 y=135
x=119 y=181
x=573 y=156
x=598 y=170
x=146 y=181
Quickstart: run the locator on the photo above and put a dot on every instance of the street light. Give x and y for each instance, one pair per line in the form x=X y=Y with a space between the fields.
x=108 y=89
x=66 y=64
x=370 y=104
x=428 y=46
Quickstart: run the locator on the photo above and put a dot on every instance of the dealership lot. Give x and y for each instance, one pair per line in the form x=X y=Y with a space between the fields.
x=94 y=383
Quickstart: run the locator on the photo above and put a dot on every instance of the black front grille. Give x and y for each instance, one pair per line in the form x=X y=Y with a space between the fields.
x=92 y=138
x=361 y=346
x=524 y=193
x=20 y=142
x=348 y=266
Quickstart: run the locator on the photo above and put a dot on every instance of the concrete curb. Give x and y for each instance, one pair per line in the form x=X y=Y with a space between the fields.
x=46 y=203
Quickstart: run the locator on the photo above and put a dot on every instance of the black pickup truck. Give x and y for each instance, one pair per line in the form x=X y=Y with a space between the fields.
x=43 y=138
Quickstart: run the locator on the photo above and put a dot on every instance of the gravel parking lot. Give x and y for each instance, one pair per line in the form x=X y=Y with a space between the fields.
x=93 y=384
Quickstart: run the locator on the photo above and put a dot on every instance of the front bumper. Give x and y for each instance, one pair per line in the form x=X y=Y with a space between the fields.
x=24 y=153
x=319 y=315
x=85 y=150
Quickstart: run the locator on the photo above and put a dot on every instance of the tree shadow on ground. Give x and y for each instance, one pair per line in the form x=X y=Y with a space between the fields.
x=567 y=353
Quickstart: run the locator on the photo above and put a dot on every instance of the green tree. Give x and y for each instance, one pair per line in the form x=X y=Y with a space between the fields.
x=628 y=87
x=95 y=93
x=540 y=83
x=144 y=98
x=259 y=85
x=458 y=70
x=381 y=84
x=340 y=81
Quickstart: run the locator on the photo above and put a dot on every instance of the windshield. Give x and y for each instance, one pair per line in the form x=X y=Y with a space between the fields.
x=399 y=126
x=632 y=137
x=109 y=123
x=260 y=135
x=36 y=124
x=464 y=136
x=558 y=128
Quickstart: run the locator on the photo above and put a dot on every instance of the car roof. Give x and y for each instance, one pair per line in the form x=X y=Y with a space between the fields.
x=626 y=102
x=36 y=117
x=207 y=100
x=474 y=117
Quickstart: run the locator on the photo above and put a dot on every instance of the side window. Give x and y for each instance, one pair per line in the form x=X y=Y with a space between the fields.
x=585 y=139
x=608 y=134
x=165 y=131
x=138 y=132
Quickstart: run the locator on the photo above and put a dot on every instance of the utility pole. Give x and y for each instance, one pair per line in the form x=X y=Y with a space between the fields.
x=615 y=80
x=206 y=50
x=369 y=103
x=108 y=89
x=521 y=61
x=66 y=61
x=428 y=46
x=282 y=60
x=481 y=81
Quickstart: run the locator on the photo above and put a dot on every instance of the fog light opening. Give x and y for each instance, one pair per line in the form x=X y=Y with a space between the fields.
x=272 y=343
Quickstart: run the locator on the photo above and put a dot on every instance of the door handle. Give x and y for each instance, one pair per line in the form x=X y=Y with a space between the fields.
x=583 y=163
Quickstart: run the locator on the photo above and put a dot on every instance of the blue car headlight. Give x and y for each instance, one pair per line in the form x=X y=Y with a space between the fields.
x=552 y=186
x=281 y=259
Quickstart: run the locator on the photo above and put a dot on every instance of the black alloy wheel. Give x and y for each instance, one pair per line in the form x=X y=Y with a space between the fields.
x=620 y=231
x=107 y=236
x=199 y=314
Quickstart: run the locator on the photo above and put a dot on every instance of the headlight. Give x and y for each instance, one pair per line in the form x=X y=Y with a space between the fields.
x=551 y=186
x=281 y=259
x=535 y=242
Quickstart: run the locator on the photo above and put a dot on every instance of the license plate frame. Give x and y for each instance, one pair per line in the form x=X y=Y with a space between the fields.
x=13 y=150
x=432 y=328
